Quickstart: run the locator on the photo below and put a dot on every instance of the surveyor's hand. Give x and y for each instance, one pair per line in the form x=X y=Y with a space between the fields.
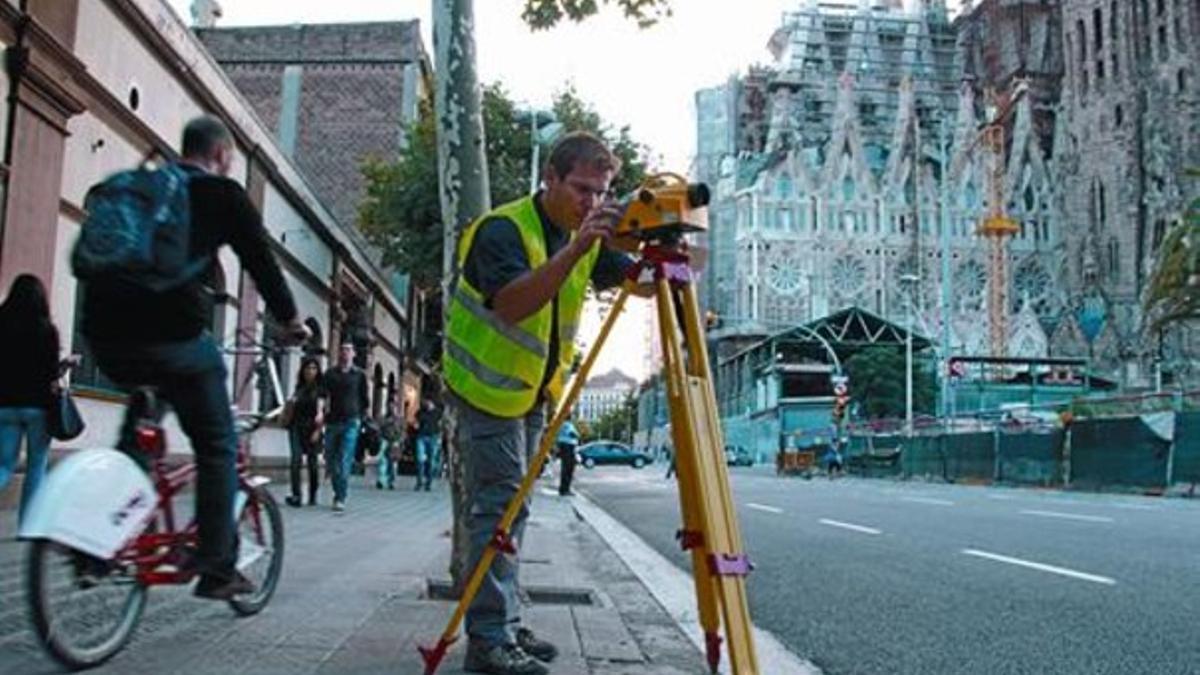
x=598 y=224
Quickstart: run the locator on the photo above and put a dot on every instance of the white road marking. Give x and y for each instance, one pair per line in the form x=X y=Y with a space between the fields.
x=849 y=526
x=763 y=507
x=1067 y=516
x=1040 y=567
x=1003 y=498
x=928 y=500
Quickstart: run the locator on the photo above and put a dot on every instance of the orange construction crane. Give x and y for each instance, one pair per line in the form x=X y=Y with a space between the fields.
x=996 y=225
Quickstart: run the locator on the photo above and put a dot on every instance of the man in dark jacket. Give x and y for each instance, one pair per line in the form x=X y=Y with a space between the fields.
x=346 y=388
x=161 y=339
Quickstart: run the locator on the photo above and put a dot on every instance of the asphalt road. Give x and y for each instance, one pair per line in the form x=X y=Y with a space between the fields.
x=866 y=576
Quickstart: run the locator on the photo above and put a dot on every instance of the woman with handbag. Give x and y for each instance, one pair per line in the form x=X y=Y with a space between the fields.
x=304 y=428
x=30 y=366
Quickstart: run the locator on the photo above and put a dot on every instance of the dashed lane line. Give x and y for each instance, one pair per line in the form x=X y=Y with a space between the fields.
x=763 y=507
x=1042 y=567
x=850 y=526
x=1067 y=516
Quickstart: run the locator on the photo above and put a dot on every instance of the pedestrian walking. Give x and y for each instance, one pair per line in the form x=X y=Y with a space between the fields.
x=567 y=442
x=305 y=423
x=346 y=388
x=29 y=361
x=429 y=427
x=510 y=341
x=670 y=454
x=392 y=430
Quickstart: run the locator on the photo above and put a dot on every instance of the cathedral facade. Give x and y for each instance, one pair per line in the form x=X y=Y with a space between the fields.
x=844 y=162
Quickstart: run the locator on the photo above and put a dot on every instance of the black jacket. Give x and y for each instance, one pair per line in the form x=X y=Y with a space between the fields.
x=222 y=213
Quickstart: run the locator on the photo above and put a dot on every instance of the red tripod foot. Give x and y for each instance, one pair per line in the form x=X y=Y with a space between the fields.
x=712 y=650
x=433 y=656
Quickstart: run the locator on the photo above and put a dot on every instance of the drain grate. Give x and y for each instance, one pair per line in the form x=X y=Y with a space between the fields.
x=442 y=589
x=559 y=595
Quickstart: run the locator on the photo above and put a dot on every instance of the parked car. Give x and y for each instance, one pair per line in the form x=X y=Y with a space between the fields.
x=736 y=455
x=612 y=452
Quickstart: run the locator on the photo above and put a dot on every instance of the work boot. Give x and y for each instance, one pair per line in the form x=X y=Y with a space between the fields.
x=539 y=649
x=501 y=660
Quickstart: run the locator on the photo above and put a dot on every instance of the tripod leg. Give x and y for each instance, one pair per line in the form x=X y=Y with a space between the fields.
x=692 y=536
x=719 y=563
x=726 y=534
x=502 y=540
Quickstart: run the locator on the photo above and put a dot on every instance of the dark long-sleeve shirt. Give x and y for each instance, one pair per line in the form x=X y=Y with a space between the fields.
x=28 y=363
x=347 y=394
x=222 y=213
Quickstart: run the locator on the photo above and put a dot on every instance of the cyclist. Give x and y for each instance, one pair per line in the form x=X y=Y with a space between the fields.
x=161 y=339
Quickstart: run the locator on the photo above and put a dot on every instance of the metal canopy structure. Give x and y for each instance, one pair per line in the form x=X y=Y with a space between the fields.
x=845 y=332
x=854 y=328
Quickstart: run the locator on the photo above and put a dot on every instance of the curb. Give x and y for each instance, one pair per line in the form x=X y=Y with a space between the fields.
x=675 y=591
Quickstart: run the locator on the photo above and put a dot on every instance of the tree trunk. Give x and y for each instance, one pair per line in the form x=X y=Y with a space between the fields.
x=463 y=191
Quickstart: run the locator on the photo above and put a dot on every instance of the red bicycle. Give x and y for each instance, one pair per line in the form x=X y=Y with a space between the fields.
x=103 y=531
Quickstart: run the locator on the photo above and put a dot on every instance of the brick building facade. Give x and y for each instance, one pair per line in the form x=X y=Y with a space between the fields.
x=334 y=94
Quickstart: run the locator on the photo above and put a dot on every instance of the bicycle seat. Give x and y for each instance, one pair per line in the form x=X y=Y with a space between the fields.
x=146 y=404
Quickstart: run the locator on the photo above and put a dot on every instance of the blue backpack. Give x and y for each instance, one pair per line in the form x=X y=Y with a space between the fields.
x=138 y=230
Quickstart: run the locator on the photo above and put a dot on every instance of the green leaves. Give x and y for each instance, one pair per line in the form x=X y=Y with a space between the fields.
x=545 y=14
x=877 y=381
x=401 y=213
x=1174 y=291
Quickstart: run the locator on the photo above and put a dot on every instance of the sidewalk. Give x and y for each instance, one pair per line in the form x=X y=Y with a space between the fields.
x=354 y=599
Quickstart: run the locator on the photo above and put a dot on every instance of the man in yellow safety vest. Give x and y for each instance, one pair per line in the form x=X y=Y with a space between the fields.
x=514 y=312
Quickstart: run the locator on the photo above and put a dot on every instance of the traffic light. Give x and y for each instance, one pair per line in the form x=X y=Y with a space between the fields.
x=841 y=398
x=840 y=402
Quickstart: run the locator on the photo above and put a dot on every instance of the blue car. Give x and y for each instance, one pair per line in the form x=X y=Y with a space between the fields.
x=612 y=452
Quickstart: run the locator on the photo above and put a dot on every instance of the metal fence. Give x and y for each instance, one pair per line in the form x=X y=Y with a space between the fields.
x=1148 y=442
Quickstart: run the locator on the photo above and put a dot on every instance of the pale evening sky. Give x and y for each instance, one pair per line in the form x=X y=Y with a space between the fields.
x=643 y=78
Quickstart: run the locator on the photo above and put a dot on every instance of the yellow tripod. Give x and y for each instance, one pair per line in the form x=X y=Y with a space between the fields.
x=710 y=526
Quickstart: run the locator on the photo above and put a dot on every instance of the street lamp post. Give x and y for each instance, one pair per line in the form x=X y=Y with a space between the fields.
x=544 y=128
x=943 y=142
x=908 y=357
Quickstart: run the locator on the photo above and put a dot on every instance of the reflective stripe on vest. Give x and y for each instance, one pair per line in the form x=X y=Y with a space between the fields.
x=497 y=366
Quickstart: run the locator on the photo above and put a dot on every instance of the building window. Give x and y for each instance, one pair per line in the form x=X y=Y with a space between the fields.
x=1103 y=207
x=1144 y=24
x=1119 y=116
x=1114 y=40
x=1162 y=43
x=1114 y=260
x=1081 y=40
x=1181 y=80
x=1160 y=229
x=783 y=188
x=1162 y=7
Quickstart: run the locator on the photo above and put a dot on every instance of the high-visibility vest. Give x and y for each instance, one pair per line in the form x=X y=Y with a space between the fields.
x=494 y=365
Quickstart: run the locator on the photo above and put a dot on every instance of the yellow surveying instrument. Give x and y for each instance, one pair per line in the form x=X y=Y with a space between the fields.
x=655 y=219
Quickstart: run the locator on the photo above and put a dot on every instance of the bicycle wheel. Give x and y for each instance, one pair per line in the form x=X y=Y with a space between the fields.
x=260 y=548
x=84 y=609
